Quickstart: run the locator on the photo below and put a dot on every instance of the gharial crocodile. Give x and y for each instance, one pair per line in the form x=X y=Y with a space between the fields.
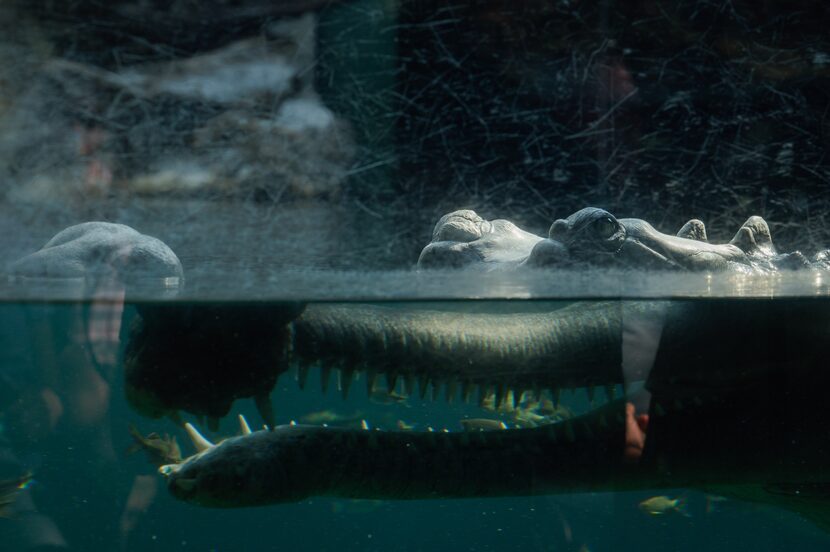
x=738 y=387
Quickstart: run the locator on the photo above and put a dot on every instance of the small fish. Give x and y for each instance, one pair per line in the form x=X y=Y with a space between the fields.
x=9 y=489
x=660 y=505
x=482 y=424
x=331 y=417
x=382 y=396
x=403 y=426
x=160 y=450
x=712 y=501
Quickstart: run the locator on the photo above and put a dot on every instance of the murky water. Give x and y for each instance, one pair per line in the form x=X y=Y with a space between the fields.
x=296 y=155
x=66 y=420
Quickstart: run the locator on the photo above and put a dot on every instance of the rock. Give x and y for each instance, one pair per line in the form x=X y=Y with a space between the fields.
x=240 y=120
x=95 y=250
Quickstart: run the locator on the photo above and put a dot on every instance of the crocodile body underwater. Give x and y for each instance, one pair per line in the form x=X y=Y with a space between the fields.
x=737 y=386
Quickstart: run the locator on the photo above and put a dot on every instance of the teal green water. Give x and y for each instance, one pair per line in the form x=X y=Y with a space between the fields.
x=68 y=422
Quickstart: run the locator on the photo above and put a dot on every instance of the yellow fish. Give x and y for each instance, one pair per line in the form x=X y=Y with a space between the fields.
x=660 y=505
x=161 y=450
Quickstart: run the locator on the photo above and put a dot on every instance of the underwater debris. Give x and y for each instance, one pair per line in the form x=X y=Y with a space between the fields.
x=160 y=449
x=661 y=505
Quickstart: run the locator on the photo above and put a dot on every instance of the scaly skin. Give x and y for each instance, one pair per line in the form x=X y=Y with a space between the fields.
x=574 y=346
x=734 y=411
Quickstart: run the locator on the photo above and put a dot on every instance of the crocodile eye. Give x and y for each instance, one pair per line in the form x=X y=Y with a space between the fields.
x=605 y=227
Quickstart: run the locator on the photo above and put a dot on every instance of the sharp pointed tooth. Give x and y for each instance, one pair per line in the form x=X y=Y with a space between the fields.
x=213 y=423
x=302 y=374
x=244 y=428
x=500 y=395
x=292 y=423
x=466 y=390
x=199 y=441
x=325 y=376
x=364 y=425
x=346 y=379
x=482 y=394
x=435 y=390
x=423 y=383
x=591 y=391
x=409 y=384
x=371 y=380
x=452 y=390
x=391 y=381
x=555 y=395
x=516 y=396
x=610 y=392
x=265 y=409
x=502 y=425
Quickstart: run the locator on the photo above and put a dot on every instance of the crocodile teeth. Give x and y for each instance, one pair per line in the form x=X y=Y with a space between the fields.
x=466 y=390
x=199 y=441
x=371 y=381
x=423 y=383
x=555 y=395
x=244 y=428
x=452 y=390
x=302 y=374
x=346 y=379
x=391 y=381
x=325 y=375
x=409 y=384
x=500 y=395
x=516 y=395
x=435 y=390
x=482 y=394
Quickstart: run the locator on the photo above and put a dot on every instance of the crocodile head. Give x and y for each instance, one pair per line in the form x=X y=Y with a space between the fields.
x=594 y=237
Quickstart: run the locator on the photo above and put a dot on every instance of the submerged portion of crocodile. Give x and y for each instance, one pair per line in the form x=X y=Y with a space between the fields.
x=733 y=411
x=730 y=405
